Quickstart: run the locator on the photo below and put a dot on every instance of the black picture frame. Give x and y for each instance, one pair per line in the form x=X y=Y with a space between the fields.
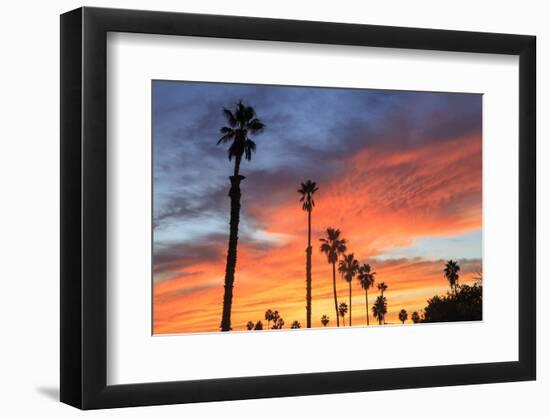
x=84 y=207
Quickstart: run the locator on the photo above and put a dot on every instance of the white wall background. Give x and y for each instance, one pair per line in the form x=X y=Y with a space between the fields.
x=29 y=237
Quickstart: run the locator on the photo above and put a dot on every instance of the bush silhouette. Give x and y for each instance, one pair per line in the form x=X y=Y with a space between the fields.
x=465 y=304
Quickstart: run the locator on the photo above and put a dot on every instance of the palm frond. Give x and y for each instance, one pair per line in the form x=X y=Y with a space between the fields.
x=230 y=117
x=325 y=247
x=248 y=113
x=249 y=148
x=255 y=126
x=333 y=234
x=341 y=246
x=240 y=113
x=226 y=138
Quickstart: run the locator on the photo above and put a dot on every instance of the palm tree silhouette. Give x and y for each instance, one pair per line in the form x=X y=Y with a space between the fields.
x=325 y=319
x=380 y=308
x=451 y=273
x=349 y=267
x=249 y=325
x=342 y=310
x=333 y=247
x=259 y=325
x=366 y=279
x=242 y=123
x=278 y=324
x=268 y=316
x=307 y=190
x=403 y=316
x=295 y=325
x=382 y=287
x=275 y=318
x=415 y=317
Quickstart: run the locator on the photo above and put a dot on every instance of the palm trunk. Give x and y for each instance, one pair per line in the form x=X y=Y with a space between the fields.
x=350 y=304
x=384 y=316
x=308 y=271
x=344 y=320
x=335 y=297
x=235 y=195
x=367 y=303
x=237 y=166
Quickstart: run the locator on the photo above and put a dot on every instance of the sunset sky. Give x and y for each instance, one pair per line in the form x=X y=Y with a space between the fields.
x=399 y=173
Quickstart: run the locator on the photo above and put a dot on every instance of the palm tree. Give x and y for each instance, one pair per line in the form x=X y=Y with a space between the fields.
x=342 y=310
x=382 y=287
x=451 y=273
x=259 y=325
x=249 y=325
x=325 y=319
x=274 y=317
x=415 y=317
x=349 y=267
x=380 y=308
x=333 y=247
x=295 y=325
x=242 y=123
x=307 y=190
x=366 y=278
x=268 y=316
x=278 y=324
x=403 y=316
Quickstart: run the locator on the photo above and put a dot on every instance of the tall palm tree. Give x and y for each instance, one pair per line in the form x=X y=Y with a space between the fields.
x=242 y=124
x=383 y=287
x=333 y=246
x=415 y=317
x=268 y=316
x=325 y=320
x=342 y=310
x=249 y=325
x=403 y=316
x=307 y=190
x=295 y=325
x=366 y=279
x=348 y=267
x=451 y=273
x=380 y=308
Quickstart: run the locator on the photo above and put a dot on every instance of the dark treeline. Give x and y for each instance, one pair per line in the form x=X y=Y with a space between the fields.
x=463 y=304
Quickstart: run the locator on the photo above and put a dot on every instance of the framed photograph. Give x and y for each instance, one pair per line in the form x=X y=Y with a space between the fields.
x=257 y=208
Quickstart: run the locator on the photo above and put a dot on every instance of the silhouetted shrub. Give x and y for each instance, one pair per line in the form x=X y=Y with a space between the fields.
x=464 y=305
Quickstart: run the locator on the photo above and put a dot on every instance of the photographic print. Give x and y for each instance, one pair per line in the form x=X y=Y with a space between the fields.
x=289 y=208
